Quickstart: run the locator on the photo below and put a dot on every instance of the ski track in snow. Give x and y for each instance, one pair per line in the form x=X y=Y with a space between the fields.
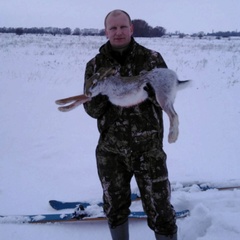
x=47 y=154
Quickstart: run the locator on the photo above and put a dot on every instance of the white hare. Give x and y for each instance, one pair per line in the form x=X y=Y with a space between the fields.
x=129 y=91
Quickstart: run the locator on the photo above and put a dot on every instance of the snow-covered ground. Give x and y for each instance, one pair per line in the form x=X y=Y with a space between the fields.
x=47 y=154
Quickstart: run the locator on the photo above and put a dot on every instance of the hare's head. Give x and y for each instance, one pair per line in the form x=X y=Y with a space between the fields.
x=93 y=84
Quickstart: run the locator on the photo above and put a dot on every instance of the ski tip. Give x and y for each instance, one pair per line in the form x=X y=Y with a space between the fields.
x=182 y=214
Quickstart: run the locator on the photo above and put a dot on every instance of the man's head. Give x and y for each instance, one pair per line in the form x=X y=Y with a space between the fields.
x=118 y=28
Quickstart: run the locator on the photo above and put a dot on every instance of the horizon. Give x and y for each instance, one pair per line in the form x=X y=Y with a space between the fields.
x=85 y=28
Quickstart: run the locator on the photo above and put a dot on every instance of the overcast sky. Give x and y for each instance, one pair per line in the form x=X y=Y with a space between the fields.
x=188 y=16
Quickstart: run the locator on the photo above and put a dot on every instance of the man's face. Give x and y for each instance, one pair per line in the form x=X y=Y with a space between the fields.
x=118 y=30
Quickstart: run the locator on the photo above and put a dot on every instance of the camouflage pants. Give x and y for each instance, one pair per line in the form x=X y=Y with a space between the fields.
x=118 y=163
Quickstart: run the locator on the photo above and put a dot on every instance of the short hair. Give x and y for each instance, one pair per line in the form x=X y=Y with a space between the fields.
x=115 y=13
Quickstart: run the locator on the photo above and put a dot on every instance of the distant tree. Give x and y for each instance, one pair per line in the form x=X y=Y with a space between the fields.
x=158 y=32
x=33 y=30
x=201 y=35
x=55 y=31
x=19 y=31
x=181 y=35
x=141 y=28
x=3 y=30
x=66 y=31
x=76 y=31
x=102 y=32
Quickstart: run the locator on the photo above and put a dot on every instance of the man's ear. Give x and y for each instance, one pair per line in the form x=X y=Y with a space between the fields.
x=106 y=33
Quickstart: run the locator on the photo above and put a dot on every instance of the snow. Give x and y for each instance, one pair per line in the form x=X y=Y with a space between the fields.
x=47 y=154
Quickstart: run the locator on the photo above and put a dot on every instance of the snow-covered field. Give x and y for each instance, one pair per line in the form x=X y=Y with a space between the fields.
x=47 y=154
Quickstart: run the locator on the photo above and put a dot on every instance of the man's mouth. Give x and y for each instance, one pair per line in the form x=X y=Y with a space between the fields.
x=119 y=39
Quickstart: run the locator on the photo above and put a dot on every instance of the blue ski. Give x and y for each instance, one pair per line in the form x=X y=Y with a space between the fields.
x=60 y=205
x=72 y=217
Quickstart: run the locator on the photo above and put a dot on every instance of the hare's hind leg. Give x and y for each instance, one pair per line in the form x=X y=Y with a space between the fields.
x=73 y=102
x=173 y=117
x=167 y=105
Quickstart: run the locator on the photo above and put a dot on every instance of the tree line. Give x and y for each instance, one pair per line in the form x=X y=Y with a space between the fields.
x=225 y=34
x=141 y=29
x=35 y=30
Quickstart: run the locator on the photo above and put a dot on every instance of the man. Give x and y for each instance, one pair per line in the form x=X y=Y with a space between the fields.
x=130 y=140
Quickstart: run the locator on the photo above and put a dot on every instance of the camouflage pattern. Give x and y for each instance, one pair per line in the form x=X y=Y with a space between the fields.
x=130 y=144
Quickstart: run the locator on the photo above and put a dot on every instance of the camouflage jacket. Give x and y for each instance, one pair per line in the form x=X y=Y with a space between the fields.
x=139 y=123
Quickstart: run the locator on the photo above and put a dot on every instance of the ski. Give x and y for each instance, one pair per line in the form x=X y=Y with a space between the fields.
x=60 y=205
x=78 y=216
x=186 y=187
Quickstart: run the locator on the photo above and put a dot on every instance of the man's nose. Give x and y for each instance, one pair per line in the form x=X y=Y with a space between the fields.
x=119 y=31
